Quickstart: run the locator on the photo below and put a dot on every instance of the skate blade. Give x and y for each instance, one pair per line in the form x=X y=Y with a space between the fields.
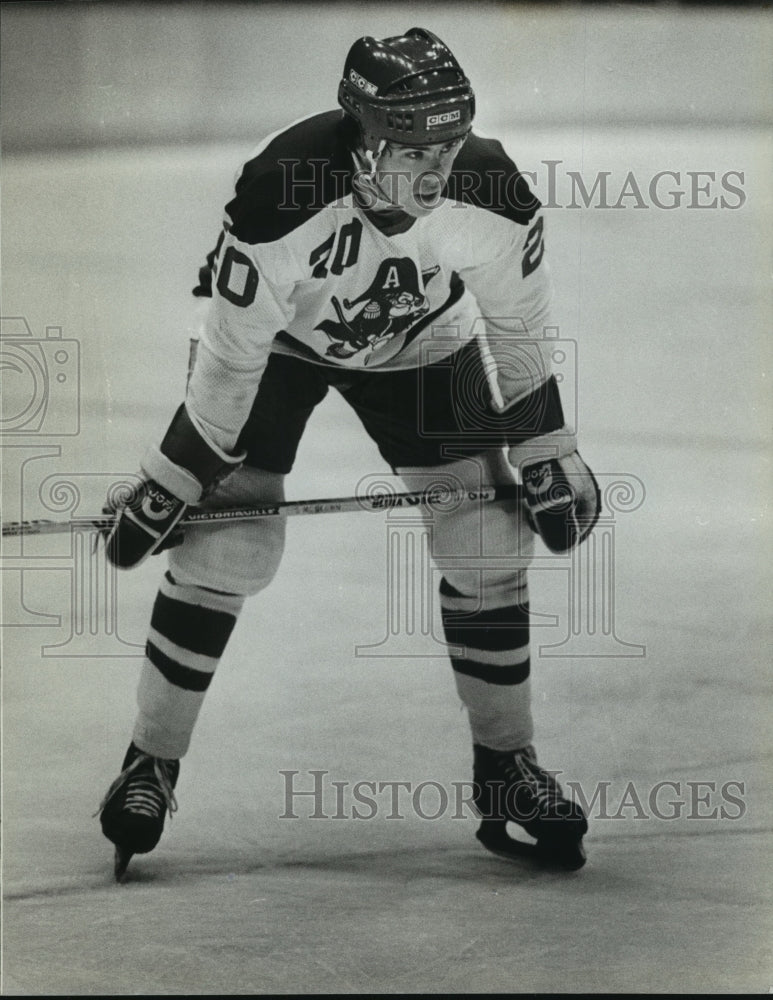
x=567 y=856
x=121 y=861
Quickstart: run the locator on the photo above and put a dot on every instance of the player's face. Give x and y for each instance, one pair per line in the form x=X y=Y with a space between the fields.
x=414 y=176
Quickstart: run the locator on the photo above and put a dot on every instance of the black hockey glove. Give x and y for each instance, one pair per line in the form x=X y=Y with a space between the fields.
x=562 y=495
x=174 y=476
x=144 y=525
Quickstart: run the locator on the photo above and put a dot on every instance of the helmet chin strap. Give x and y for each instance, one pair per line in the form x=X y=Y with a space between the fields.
x=373 y=158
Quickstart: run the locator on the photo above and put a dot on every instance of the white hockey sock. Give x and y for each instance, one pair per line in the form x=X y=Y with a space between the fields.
x=189 y=630
x=488 y=636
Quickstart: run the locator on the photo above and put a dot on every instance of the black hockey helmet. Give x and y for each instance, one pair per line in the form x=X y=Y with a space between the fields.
x=407 y=89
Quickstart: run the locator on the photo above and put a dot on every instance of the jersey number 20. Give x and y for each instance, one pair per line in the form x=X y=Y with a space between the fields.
x=346 y=251
x=235 y=261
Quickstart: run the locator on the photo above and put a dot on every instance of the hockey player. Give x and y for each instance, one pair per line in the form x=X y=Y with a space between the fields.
x=385 y=250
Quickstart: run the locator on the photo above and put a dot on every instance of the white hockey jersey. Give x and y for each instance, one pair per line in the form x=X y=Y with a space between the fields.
x=304 y=267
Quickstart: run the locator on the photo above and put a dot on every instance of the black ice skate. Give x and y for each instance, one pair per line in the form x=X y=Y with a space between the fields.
x=132 y=812
x=511 y=786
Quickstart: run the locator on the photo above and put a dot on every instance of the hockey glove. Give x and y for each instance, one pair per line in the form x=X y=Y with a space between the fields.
x=177 y=474
x=562 y=495
x=144 y=525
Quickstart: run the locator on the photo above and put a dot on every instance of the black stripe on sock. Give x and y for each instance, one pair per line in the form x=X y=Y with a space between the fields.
x=506 y=676
x=497 y=629
x=201 y=630
x=177 y=673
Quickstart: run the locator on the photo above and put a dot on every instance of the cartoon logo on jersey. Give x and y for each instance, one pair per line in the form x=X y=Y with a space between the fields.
x=391 y=306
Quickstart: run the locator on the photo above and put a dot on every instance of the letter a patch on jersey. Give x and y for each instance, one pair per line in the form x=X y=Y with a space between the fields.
x=388 y=308
x=392 y=280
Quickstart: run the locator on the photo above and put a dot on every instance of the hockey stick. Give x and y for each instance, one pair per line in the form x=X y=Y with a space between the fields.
x=439 y=497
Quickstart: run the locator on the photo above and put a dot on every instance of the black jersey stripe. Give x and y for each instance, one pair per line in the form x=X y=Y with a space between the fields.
x=503 y=676
x=193 y=627
x=538 y=413
x=177 y=673
x=484 y=175
x=303 y=169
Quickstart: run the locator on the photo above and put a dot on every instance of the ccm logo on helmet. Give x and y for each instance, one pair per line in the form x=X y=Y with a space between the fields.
x=444 y=119
x=362 y=83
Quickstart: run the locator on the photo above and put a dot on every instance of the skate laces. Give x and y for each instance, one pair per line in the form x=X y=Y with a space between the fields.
x=148 y=791
x=522 y=768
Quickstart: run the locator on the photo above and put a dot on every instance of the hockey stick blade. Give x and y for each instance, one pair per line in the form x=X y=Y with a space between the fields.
x=437 y=498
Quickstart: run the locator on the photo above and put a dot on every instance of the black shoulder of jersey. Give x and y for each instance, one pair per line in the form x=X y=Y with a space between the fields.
x=301 y=170
x=484 y=175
